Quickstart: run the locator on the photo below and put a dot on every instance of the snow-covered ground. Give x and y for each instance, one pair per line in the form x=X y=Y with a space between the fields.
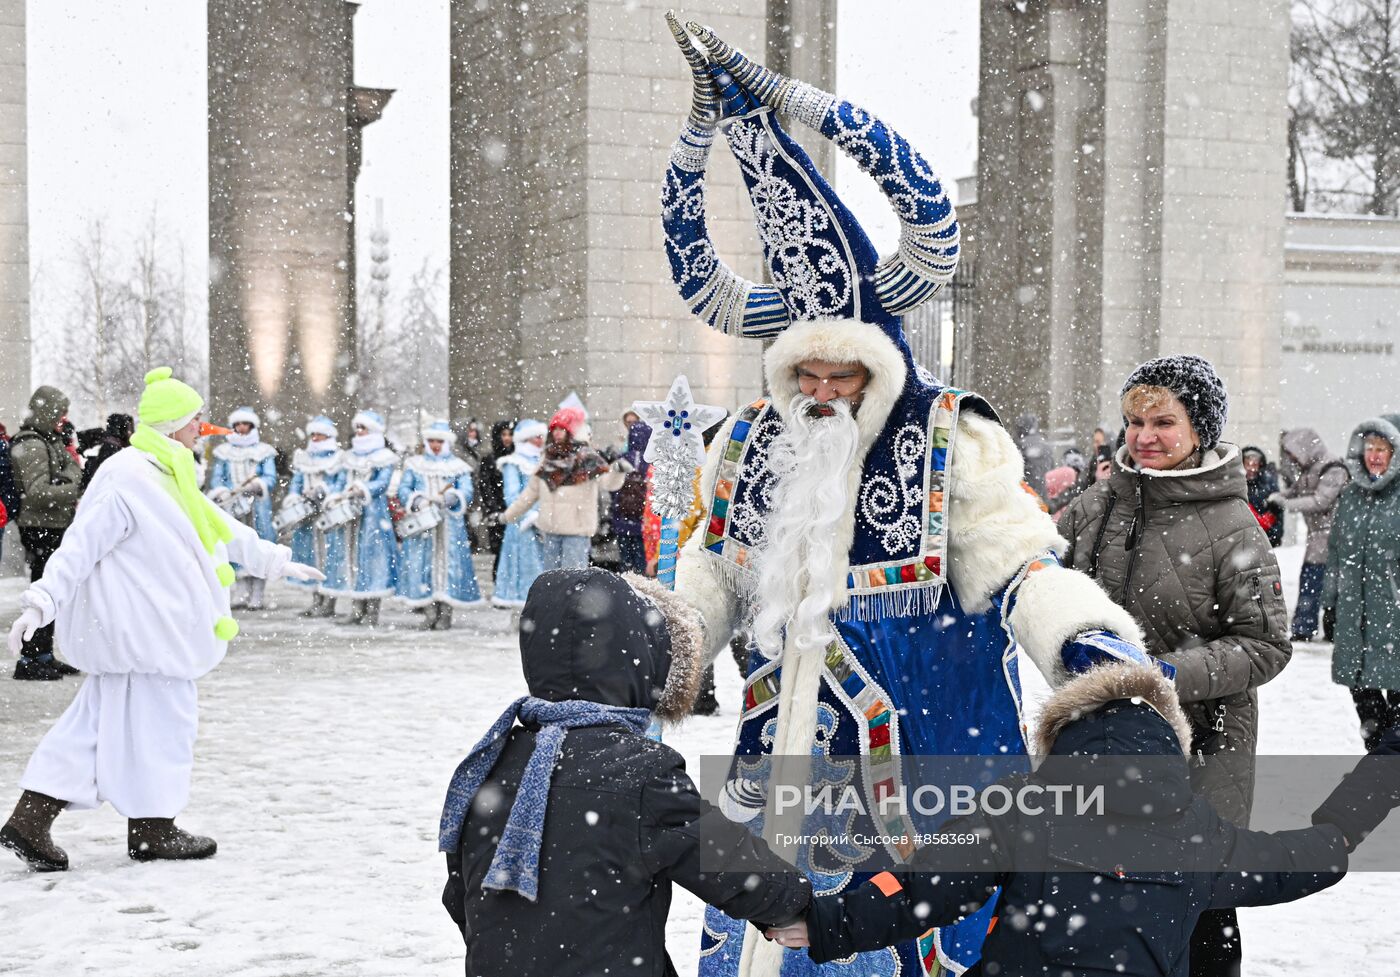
x=323 y=755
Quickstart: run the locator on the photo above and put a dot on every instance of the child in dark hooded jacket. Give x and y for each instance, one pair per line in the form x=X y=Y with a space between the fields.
x=565 y=827
x=1095 y=910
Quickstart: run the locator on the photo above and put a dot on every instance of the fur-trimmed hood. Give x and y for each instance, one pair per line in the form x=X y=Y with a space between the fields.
x=1386 y=426
x=1119 y=731
x=684 y=626
x=590 y=634
x=840 y=341
x=1082 y=696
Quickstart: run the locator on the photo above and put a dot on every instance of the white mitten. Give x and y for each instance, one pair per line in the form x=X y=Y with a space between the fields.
x=304 y=572
x=29 y=621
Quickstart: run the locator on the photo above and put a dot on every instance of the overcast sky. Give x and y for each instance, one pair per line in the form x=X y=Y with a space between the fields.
x=117 y=116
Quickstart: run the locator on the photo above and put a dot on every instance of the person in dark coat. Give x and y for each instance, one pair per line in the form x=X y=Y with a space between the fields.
x=1035 y=450
x=1125 y=911
x=566 y=826
x=1318 y=478
x=9 y=488
x=490 y=488
x=1262 y=479
x=115 y=437
x=629 y=503
x=1359 y=594
x=48 y=476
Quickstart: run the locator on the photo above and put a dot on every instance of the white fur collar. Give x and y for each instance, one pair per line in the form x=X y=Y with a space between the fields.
x=528 y=465
x=447 y=465
x=250 y=452
x=383 y=458
x=1219 y=456
x=325 y=461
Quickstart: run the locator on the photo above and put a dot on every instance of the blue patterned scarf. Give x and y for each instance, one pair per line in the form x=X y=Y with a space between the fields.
x=516 y=865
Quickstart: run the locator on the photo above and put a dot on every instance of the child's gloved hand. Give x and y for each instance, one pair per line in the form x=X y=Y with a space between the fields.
x=792 y=934
x=1367 y=794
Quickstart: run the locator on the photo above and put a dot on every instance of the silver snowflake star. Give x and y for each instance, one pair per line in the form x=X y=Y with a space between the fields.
x=676 y=447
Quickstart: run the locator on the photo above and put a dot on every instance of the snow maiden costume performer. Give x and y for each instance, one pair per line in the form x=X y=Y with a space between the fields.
x=435 y=568
x=244 y=466
x=372 y=550
x=885 y=603
x=521 y=560
x=139 y=594
x=316 y=476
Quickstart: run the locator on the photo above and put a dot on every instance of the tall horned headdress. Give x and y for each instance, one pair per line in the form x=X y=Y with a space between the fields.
x=821 y=263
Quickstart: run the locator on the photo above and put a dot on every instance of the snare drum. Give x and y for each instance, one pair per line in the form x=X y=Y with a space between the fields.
x=425 y=520
x=238 y=505
x=335 y=516
x=293 y=513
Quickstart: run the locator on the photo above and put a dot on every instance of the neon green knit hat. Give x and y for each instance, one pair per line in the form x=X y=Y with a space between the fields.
x=168 y=404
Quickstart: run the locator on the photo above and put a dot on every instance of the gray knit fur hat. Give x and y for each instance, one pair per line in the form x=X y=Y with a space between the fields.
x=1195 y=383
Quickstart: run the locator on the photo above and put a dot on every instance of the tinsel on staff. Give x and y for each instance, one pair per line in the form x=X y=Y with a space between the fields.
x=674 y=451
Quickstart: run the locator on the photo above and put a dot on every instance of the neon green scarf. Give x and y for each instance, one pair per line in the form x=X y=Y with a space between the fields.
x=208 y=521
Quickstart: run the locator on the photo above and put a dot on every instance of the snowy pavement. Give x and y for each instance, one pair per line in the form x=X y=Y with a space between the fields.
x=323 y=755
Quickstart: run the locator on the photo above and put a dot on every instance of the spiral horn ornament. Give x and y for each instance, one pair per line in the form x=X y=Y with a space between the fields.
x=928 y=250
x=704 y=98
x=709 y=287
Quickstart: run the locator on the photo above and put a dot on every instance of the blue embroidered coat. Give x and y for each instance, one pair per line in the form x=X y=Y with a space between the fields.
x=319 y=471
x=520 y=561
x=235 y=468
x=437 y=565
x=372 y=550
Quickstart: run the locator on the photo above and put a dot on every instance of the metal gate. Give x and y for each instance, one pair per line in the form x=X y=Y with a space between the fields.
x=936 y=329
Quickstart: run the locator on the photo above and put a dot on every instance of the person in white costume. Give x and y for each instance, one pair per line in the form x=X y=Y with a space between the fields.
x=139 y=594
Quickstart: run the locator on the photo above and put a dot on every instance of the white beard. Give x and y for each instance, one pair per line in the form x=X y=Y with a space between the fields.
x=798 y=570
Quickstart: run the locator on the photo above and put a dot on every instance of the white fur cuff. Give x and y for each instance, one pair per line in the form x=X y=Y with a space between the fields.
x=699 y=584
x=1055 y=604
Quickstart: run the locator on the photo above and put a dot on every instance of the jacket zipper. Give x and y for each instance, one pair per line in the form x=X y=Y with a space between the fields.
x=1219 y=727
x=1135 y=529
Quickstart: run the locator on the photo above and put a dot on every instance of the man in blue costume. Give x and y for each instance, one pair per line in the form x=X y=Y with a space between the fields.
x=866 y=524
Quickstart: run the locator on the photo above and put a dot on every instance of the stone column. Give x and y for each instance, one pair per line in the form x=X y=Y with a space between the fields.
x=562 y=124
x=284 y=121
x=14 y=218
x=1131 y=202
x=801 y=43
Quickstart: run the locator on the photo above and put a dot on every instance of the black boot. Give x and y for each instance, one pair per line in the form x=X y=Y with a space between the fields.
x=327 y=606
x=315 y=609
x=153 y=839
x=372 y=612
x=27 y=832
x=444 y=617
x=430 y=615
x=36 y=670
x=705 y=703
x=357 y=611
x=64 y=668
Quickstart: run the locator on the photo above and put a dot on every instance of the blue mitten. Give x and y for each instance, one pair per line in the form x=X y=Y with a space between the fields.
x=1090 y=648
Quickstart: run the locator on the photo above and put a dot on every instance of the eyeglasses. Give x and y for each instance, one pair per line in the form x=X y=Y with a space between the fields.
x=843 y=383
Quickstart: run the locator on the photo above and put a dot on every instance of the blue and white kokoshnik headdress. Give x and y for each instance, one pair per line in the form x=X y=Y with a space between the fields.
x=821 y=262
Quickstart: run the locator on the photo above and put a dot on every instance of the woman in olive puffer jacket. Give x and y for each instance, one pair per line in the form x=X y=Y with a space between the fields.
x=1171 y=538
